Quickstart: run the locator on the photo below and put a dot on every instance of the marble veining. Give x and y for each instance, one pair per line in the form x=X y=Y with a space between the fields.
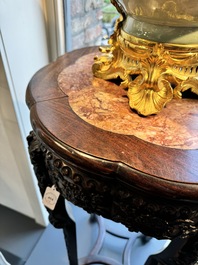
x=105 y=105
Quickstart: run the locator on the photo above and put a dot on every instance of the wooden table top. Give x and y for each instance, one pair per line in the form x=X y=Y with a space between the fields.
x=88 y=120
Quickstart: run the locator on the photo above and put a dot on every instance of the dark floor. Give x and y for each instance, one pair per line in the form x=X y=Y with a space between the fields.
x=35 y=245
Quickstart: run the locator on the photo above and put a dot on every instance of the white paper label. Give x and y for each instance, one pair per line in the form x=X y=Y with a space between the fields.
x=50 y=197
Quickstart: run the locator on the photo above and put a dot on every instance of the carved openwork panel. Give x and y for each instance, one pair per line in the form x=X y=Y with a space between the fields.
x=106 y=196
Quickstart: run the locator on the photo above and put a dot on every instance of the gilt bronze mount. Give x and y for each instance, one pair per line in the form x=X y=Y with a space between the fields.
x=153 y=72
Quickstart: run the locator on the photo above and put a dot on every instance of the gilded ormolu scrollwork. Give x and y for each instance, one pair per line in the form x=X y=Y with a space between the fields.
x=152 y=72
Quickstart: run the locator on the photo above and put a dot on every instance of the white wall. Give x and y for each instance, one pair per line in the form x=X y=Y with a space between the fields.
x=12 y=191
x=24 y=50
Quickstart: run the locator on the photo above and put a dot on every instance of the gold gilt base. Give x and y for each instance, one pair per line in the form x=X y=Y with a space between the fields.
x=152 y=72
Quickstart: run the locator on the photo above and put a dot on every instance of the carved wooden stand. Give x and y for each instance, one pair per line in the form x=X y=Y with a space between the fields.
x=146 y=187
x=51 y=169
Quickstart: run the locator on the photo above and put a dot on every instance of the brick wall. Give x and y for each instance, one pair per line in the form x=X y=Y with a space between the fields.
x=86 y=22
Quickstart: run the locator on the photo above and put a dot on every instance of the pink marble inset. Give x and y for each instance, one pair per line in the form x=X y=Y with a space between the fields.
x=105 y=105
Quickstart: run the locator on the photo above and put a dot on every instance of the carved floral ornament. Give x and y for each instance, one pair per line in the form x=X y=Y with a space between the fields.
x=152 y=71
x=120 y=203
x=98 y=194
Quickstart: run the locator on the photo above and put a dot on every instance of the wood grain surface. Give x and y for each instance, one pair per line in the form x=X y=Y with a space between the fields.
x=158 y=169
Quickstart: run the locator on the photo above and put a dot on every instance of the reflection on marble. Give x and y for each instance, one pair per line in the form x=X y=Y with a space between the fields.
x=105 y=105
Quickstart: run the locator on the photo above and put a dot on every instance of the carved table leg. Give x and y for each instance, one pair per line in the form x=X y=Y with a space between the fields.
x=59 y=217
x=179 y=252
